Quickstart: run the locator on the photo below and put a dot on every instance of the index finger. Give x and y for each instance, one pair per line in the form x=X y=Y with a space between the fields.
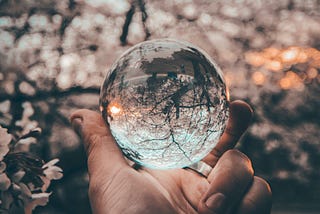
x=240 y=117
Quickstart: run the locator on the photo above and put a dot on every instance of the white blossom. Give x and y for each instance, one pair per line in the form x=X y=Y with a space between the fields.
x=38 y=199
x=51 y=171
x=5 y=139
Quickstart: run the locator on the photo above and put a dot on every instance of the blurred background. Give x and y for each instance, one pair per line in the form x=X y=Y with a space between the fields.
x=54 y=56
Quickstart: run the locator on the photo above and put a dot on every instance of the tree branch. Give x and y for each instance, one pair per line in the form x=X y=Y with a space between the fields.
x=43 y=95
x=125 y=28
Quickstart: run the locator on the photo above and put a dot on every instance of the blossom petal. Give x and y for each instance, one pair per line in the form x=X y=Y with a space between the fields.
x=4 y=149
x=53 y=172
x=46 y=183
x=23 y=145
x=5 y=139
x=51 y=163
x=39 y=199
x=5 y=136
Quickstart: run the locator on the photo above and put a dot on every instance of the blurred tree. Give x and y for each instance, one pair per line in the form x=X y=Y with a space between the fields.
x=55 y=54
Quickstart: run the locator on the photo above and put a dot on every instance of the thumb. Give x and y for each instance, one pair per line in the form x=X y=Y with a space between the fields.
x=104 y=156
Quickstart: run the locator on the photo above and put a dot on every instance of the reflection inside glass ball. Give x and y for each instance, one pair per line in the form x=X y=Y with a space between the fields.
x=166 y=103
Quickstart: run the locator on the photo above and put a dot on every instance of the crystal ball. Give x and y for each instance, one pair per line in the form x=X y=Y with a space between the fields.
x=166 y=103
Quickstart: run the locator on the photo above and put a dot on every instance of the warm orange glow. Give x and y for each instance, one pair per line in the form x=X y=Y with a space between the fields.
x=258 y=78
x=285 y=83
x=310 y=52
x=115 y=109
x=280 y=60
x=316 y=60
x=312 y=73
x=276 y=59
x=273 y=65
x=291 y=80
x=271 y=52
x=229 y=78
x=289 y=55
x=228 y=94
x=302 y=57
x=255 y=59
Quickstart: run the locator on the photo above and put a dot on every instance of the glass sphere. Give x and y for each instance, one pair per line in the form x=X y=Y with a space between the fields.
x=166 y=103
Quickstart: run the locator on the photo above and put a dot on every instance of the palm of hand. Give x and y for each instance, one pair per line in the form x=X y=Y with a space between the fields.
x=154 y=191
x=116 y=187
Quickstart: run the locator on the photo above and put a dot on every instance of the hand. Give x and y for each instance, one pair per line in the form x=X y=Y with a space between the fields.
x=117 y=187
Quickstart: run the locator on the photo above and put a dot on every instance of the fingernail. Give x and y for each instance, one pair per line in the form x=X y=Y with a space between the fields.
x=217 y=203
x=77 y=124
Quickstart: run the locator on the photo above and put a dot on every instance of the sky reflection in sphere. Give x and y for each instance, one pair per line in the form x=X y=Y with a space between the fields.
x=166 y=103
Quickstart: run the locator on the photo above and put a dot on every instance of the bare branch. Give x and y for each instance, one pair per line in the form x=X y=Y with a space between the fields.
x=125 y=28
x=44 y=95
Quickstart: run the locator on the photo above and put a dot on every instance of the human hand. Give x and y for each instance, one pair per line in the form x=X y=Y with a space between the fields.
x=117 y=187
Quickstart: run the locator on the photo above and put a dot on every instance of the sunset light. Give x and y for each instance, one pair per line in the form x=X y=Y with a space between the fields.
x=115 y=109
x=296 y=66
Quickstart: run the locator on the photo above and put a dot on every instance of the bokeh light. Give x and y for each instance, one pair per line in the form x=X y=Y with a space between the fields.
x=282 y=60
x=54 y=55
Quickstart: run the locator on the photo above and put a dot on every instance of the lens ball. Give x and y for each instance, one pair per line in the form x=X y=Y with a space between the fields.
x=166 y=103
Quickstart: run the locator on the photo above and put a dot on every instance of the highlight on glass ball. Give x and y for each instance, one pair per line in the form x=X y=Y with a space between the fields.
x=166 y=103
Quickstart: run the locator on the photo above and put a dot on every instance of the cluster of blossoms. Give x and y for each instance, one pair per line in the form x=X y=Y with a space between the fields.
x=24 y=178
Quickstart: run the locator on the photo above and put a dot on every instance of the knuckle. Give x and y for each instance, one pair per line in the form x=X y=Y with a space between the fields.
x=263 y=186
x=260 y=199
x=241 y=160
x=237 y=156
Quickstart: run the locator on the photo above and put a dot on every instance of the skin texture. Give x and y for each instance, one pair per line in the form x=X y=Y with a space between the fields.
x=116 y=186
